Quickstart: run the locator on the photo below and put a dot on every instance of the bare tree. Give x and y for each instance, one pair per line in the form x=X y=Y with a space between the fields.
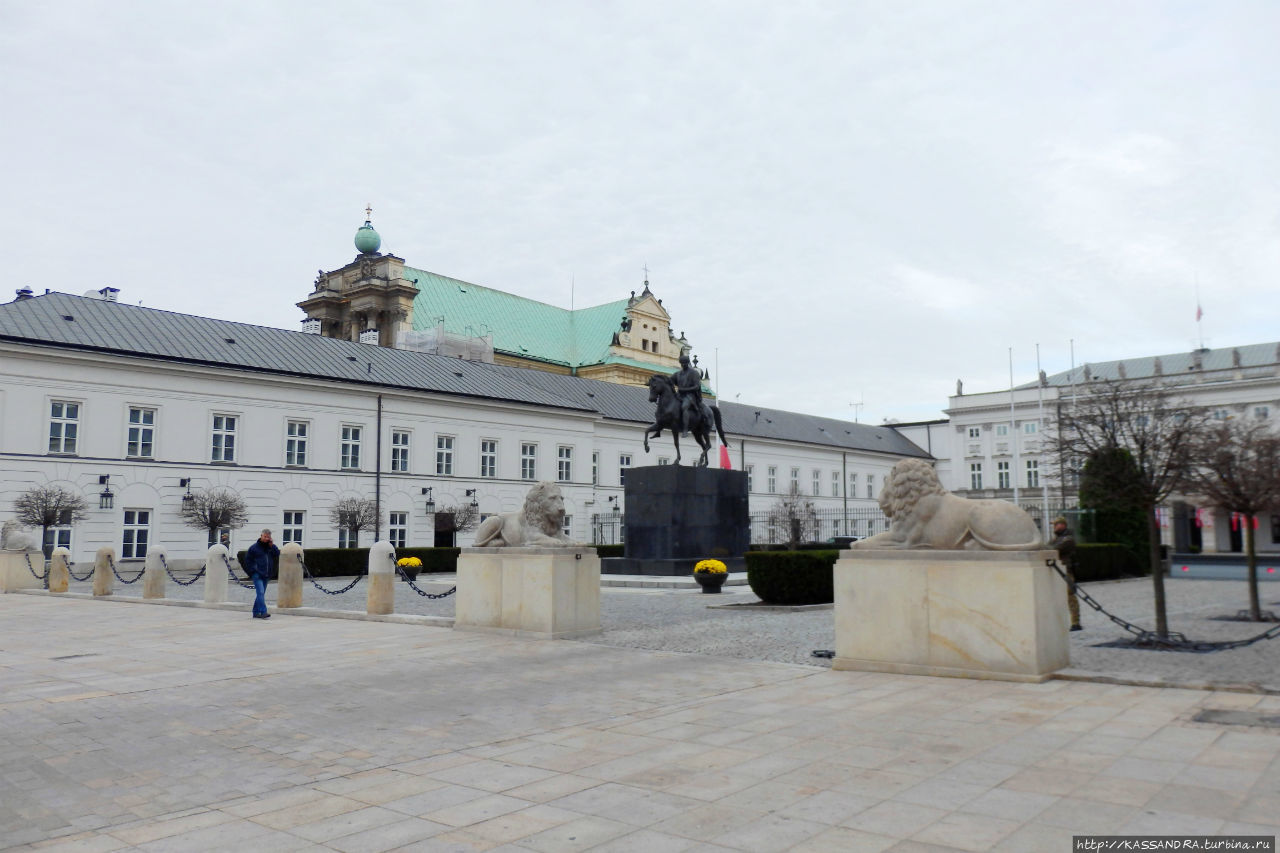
x=212 y=510
x=49 y=506
x=460 y=518
x=1238 y=469
x=1158 y=433
x=796 y=515
x=353 y=515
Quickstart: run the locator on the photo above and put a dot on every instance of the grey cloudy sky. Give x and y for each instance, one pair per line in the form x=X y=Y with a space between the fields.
x=851 y=201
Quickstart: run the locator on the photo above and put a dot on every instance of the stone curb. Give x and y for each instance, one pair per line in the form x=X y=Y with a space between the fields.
x=761 y=607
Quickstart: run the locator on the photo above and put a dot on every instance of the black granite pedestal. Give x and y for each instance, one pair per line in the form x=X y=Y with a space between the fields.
x=677 y=515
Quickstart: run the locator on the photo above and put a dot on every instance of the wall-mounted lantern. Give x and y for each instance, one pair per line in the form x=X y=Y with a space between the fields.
x=106 y=500
x=471 y=493
x=613 y=499
x=188 y=498
x=431 y=505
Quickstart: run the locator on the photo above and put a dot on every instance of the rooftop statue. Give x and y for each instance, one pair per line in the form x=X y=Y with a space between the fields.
x=539 y=524
x=681 y=409
x=925 y=515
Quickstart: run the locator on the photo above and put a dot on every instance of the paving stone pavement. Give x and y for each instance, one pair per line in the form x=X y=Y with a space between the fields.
x=165 y=728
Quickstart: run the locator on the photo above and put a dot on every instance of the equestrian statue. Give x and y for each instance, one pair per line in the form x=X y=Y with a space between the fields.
x=681 y=409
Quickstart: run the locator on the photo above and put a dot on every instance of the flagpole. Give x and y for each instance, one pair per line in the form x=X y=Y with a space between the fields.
x=1044 y=481
x=1199 y=314
x=1013 y=431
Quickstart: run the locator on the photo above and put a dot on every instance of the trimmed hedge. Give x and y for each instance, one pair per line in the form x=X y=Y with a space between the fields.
x=782 y=546
x=1102 y=561
x=603 y=551
x=433 y=559
x=792 y=577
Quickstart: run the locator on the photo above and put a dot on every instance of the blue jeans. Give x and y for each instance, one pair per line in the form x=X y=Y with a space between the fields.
x=260 y=601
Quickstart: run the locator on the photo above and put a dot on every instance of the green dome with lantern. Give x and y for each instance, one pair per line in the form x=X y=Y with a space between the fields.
x=367 y=240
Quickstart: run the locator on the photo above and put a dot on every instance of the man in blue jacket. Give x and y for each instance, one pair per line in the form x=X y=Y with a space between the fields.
x=258 y=560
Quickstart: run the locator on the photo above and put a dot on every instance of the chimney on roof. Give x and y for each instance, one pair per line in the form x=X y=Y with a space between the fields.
x=1235 y=357
x=369 y=336
x=23 y=293
x=311 y=326
x=1124 y=374
x=1159 y=367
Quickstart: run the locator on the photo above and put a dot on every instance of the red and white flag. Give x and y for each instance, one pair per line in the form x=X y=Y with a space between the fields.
x=1199 y=312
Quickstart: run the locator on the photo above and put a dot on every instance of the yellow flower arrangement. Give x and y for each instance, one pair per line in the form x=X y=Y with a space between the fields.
x=409 y=563
x=713 y=567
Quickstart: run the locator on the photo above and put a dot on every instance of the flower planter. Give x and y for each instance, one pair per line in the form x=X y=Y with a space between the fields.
x=710 y=581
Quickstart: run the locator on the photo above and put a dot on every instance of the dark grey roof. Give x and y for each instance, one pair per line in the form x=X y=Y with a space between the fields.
x=1172 y=365
x=112 y=327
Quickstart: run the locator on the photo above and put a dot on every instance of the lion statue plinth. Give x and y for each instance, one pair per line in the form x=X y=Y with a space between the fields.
x=539 y=524
x=925 y=515
x=13 y=537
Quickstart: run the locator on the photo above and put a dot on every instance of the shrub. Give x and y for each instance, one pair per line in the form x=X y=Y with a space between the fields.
x=792 y=577
x=603 y=551
x=1106 y=561
x=434 y=560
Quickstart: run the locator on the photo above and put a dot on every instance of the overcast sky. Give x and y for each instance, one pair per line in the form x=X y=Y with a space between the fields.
x=850 y=201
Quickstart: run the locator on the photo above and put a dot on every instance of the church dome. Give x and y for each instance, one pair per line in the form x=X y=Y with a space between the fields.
x=367 y=240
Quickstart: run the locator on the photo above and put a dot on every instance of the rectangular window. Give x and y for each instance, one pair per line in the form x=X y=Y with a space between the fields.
x=488 y=457
x=1030 y=427
x=595 y=467
x=871 y=485
x=142 y=433
x=1002 y=475
x=400 y=451
x=624 y=462
x=291 y=526
x=1261 y=412
x=444 y=455
x=567 y=527
x=773 y=479
x=64 y=426
x=795 y=481
x=1033 y=474
x=349 y=452
x=975 y=432
x=348 y=538
x=853 y=484
x=528 y=461
x=137 y=531
x=224 y=438
x=750 y=478
x=835 y=484
x=664 y=460
x=295 y=444
x=564 y=464
x=1002 y=429
x=975 y=475
x=58 y=535
x=817 y=482
x=1221 y=414
x=397 y=528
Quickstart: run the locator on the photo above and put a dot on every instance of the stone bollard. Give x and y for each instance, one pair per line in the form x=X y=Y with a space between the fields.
x=215 y=574
x=153 y=576
x=382 y=579
x=59 y=572
x=289 y=584
x=103 y=579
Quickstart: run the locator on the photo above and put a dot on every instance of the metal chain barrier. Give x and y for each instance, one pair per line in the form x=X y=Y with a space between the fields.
x=111 y=562
x=71 y=570
x=422 y=592
x=32 y=569
x=231 y=573
x=1173 y=641
x=173 y=578
x=347 y=588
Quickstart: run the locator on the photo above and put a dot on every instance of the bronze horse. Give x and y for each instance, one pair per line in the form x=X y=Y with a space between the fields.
x=667 y=416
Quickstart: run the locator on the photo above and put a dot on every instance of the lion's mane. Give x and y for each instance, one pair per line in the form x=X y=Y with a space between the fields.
x=909 y=481
x=537 y=513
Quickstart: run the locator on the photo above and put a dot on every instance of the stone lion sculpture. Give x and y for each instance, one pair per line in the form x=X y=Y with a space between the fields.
x=925 y=515
x=13 y=537
x=538 y=524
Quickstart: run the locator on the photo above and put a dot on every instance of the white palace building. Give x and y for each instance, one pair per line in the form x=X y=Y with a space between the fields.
x=145 y=405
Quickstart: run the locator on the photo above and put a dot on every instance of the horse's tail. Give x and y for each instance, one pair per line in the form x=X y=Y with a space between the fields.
x=715 y=413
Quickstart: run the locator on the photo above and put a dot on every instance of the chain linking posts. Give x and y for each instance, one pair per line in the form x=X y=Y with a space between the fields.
x=153 y=573
x=289 y=584
x=59 y=572
x=215 y=574
x=103 y=580
x=382 y=579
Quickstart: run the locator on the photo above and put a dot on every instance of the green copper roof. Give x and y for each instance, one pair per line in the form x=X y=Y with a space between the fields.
x=519 y=326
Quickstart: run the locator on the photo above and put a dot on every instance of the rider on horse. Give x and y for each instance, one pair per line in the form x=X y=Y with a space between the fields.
x=688 y=382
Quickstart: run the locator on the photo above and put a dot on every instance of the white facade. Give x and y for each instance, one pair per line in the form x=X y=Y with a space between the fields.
x=148 y=423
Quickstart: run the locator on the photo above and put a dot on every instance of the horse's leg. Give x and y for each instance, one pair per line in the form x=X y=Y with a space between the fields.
x=675 y=438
